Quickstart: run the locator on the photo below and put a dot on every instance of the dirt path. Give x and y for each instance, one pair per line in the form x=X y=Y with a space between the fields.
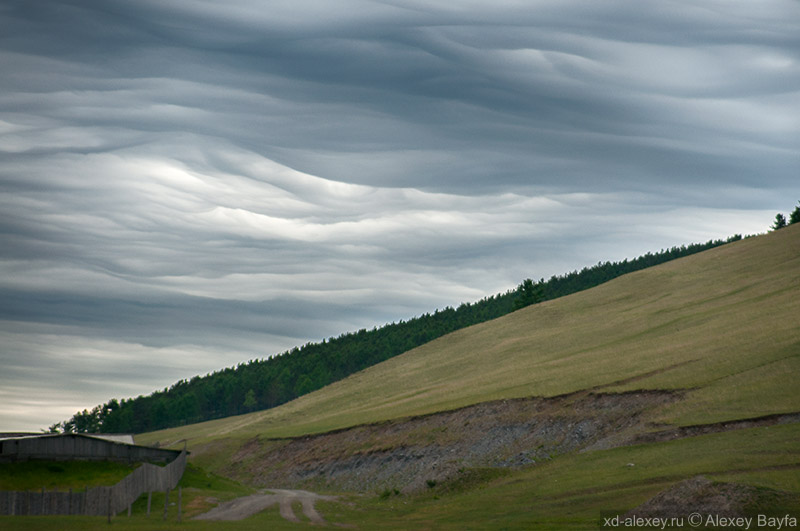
x=241 y=508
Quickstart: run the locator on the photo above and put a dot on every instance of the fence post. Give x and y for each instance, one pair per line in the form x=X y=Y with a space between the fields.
x=180 y=494
x=13 y=503
x=166 y=502
x=109 y=504
x=149 y=499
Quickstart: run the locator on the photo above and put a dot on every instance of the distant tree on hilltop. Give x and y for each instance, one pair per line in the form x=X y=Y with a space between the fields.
x=780 y=221
x=794 y=217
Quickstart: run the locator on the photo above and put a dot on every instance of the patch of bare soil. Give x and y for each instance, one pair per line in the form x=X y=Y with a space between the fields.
x=705 y=497
x=200 y=504
x=241 y=508
x=414 y=453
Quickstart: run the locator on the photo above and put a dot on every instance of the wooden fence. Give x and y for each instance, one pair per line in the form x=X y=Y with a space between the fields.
x=98 y=501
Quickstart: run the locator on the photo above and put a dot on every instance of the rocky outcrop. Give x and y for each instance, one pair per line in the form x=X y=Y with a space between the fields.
x=414 y=453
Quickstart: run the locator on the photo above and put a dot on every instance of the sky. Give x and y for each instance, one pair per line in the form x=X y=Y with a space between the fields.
x=191 y=184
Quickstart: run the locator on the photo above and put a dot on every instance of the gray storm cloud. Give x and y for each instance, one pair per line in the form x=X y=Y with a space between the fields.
x=186 y=185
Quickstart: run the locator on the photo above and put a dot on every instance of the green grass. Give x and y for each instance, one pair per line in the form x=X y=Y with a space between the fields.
x=61 y=475
x=269 y=519
x=203 y=490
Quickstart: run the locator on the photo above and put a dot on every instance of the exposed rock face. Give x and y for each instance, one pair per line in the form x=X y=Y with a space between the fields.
x=409 y=454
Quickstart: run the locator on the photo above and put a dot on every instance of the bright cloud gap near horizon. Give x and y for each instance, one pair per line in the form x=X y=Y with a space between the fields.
x=187 y=187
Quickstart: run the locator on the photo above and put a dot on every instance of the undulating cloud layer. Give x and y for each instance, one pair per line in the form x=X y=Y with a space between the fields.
x=190 y=184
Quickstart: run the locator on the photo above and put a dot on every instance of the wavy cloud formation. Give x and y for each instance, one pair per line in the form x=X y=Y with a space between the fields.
x=191 y=184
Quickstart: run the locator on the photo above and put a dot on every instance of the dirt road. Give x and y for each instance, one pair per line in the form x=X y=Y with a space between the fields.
x=241 y=508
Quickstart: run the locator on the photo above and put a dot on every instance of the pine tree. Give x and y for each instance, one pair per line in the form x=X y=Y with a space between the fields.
x=780 y=221
x=794 y=217
x=528 y=293
x=250 y=402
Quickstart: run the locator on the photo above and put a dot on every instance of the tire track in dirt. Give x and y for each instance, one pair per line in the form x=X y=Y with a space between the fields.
x=241 y=508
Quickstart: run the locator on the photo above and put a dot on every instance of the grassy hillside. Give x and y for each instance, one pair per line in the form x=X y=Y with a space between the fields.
x=723 y=327
x=724 y=323
x=264 y=384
